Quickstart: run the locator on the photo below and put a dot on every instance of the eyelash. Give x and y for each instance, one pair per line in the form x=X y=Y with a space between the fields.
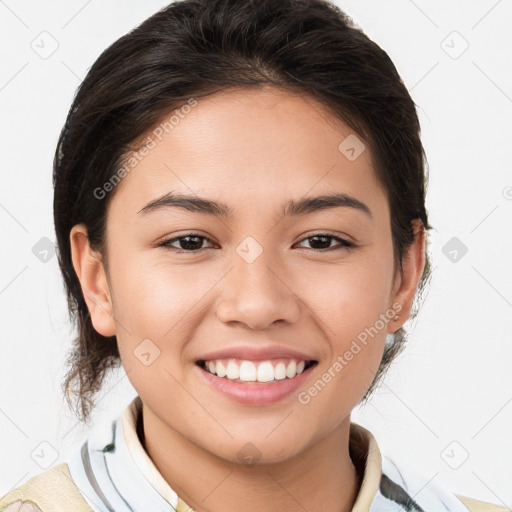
x=344 y=244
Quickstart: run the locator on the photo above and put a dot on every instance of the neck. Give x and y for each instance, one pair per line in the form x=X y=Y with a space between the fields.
x=322 y=477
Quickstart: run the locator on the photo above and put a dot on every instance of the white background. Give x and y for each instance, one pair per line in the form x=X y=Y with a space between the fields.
x=454 y=381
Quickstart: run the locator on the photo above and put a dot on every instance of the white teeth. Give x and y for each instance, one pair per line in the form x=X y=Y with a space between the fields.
x=233 y=371
x=220 y=369
x=280 y=371
x=265 y=372
x=249 y=371
x=291 y=369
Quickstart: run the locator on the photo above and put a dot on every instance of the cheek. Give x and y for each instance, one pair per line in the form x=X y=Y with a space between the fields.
x=355 y=310
x=353 y=297
x=151 y=295
x=161 y=301
x=157 y=297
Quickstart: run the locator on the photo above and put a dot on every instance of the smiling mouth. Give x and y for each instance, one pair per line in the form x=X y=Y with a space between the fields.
x=267 y=371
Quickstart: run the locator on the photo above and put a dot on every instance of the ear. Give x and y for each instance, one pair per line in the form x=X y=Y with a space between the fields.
x=406 y=281
x=91 y=273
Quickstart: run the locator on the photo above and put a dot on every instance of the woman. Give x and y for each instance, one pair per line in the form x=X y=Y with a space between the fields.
x=240 y=215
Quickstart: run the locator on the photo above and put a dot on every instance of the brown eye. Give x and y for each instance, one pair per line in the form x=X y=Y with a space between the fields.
x=324 y=241
x=192 y=242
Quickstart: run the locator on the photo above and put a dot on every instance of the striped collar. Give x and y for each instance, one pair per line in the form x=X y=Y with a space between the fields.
x=363 y=450
x=114 y=473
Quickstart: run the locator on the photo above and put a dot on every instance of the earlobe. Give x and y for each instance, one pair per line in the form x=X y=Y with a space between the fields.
x=413 y=264
x=91 y=273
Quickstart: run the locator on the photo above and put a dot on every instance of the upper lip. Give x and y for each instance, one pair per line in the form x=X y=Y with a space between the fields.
x=256 y=353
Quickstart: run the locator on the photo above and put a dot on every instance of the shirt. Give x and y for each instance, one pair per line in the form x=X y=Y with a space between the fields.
x=113 y=472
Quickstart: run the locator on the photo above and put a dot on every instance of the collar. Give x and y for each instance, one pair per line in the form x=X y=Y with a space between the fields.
x=363 y=448
x=114 y=473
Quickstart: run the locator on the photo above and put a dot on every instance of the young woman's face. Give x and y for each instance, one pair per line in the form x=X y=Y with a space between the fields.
x=253 y=285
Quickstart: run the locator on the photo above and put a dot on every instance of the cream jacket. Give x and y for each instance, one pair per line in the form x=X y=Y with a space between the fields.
x=113 y=472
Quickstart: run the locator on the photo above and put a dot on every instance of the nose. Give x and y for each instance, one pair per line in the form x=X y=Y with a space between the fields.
x=257 y=294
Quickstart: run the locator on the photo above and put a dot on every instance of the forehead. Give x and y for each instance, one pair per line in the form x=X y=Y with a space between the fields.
x=252 y=147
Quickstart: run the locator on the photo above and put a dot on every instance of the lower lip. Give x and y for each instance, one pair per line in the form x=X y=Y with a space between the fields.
x=255 y=393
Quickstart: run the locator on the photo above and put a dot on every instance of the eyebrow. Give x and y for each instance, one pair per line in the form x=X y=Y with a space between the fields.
x=291 y=208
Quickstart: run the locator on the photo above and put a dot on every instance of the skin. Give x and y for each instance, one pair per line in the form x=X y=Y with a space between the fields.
x=253 y=150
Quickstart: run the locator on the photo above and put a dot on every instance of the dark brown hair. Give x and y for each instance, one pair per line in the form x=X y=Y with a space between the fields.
x=193 y=49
